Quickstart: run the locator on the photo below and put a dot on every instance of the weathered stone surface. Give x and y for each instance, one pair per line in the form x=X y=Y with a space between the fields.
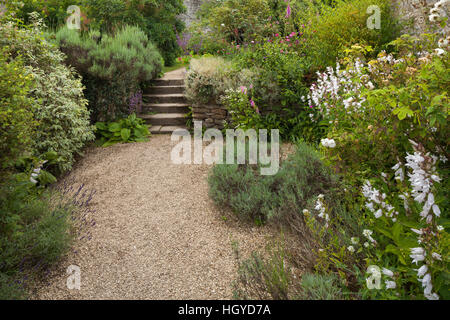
x=192 y=7
x=415 y=13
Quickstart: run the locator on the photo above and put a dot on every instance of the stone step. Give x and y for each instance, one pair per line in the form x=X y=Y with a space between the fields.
x=164 y=90
x=165 y=107
x=168 y=82
x=165 y=119
x=165 y=129
x=164 y=98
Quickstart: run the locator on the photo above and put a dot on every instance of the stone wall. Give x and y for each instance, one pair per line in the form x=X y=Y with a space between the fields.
x=213 y=116
x=415 y=13
x=192 y=7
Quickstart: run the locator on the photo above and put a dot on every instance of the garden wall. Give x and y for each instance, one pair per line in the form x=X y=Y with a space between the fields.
x=213 y=116
x=415 y=12
x=192 y=7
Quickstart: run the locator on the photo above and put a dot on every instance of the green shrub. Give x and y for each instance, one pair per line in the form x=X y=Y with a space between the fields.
x=113 y=68
x=208 y=79
x=34 y=234
x=16 y=110
x=320 y=287
x=158 y=19
x=259 y=198
x=54 y=12
x=331 y=29
x=62 y=116
x=130 y=129
x=388 y=137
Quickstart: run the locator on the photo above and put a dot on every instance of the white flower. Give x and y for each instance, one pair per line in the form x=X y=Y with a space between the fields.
x=378 y=213
x=33 y=180
x=439 y=51
x=440 y=228
x=434 y=17
x=366 y=244
x=436 y=256
x=422 y=270
x=351 y=249
x=354 y=240
x=443 y=43
x=391 y=285
x=328 y=143
x=417 y=254
x=305 y=211
x=432 y=296
x=368 y=234
x=387 y=272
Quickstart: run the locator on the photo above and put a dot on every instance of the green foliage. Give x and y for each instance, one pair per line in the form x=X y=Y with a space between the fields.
x=209 y=78
x=157 y=18
x=330 y=29
x=263 y=277
x=398 y=107
x=279 y=197
x=16 y=109
x=61 y=113
x=34 y=234
x=113 y=68
x=54 y=12
x=320 y=287
x=131 y=129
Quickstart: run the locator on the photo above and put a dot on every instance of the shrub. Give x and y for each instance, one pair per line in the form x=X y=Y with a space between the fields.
x=112 y=68
x=277 y=198
x=263 y=276
x=16 y=110
x=37 y=227
x=54 y=12
x=130 y=129
x=158 y=19
x=208 y=78
x=320 y=287
x=331 y=29
x=388 y=128
x=62 y=116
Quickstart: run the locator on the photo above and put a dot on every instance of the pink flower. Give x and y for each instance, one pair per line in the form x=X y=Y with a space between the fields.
x=252 y=103
x=276 y=34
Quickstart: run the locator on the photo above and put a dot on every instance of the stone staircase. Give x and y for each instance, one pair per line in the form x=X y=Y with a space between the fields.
x=165 y=106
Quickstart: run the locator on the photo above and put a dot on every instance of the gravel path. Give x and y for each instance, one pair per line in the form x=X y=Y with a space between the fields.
x=158 y=235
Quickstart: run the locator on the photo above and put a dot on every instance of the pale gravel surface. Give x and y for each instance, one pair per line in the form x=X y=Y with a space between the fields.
x=158 y=235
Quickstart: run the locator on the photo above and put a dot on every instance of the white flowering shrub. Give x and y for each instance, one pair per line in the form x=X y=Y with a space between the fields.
x=388 y=137
x=409 y=238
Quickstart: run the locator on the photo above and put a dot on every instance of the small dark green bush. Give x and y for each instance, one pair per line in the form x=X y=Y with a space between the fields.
x=113 y=68
x=260 y=198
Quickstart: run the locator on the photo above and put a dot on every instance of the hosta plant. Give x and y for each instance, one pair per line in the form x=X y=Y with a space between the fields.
x=131 y=129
